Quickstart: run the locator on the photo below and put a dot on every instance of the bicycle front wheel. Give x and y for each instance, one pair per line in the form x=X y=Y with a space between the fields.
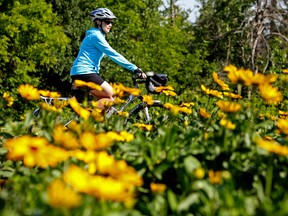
x=144 y=113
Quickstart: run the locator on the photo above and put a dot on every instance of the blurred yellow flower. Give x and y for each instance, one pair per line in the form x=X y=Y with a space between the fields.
x=144 y=126
x=118 y=169
x=50 y=94
x=29 y=92
x=61 y=195
x=215 y=177
x=282 y=124
x=118 y=101
x=212 y=92
x=220 y=82
x=229 y=107
x=204 y=113
x=120 y=90
x=123 y=113
x=80 y=83
x=230 y=68
x=272 y=146
x=282 y=113
x=199 y=173
x=104 y=188
x=59 y=103
x=157 y=187
x=91 y=141
x=232 y=95
x=188 y=104
x=175 y=109
x=285 y=71
x=227 y=124
x=148 y=99
x=48 y=107
x=167 y=90
x=78 y=109
x=261 y=79
x=8 y=98
x=270 y=94
x=35 y=151
x=65 y=138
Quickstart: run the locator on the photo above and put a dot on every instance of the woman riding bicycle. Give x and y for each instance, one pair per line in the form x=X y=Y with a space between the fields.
x=93 y=48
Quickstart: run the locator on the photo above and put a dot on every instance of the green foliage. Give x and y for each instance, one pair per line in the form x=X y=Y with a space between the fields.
x=31 y=45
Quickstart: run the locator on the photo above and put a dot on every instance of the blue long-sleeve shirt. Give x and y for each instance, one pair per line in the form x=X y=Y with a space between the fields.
x=92 y=50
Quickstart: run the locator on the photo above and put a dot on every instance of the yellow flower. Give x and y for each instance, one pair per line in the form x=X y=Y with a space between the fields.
x=187 y=104
x=8 y=98
x=78 y=109
x=122 y=113
x=162 y=88
x=212 y=92
x=186 y=123
x=229 y=107
x=59 y=104
x=270 y=94
x=148 y=99
x=120 y=90
x=118 y=101
x=232 y=95
x=282 y=113
x=144 y=126
x=80 y=83
x=204 y=113
x=199 y=173
x=272 y=146
x=230 y=68
x=220 y=82
x=169 y=93
x=215 y=177
x=47 y=107
x=227 y=124
x=285 y=71
x=127 y=136
x=28 y=92
x=118 y=169
x=46 y=93
x=65 y=138
x=104 y=188
x=61 y=195
x=282 y=124
x=76 y=177
x=91 y=141
x=261 y=79
x=35 y=151
x=175 y=109
x=157 y=187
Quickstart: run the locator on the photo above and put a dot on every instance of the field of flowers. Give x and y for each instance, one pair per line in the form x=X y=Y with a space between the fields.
x=220 y=149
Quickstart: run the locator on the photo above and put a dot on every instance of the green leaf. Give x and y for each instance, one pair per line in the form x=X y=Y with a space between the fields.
x=172 y=200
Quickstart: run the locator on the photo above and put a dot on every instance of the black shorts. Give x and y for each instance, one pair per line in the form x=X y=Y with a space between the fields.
x=95 y=78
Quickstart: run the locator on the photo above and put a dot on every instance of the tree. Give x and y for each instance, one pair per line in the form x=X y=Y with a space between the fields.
x=243 y=32
x=31 y=43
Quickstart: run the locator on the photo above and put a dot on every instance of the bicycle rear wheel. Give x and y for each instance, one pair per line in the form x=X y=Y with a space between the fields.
x=144 y=113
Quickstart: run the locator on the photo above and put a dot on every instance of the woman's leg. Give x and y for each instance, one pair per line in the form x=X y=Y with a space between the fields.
x=104 y=96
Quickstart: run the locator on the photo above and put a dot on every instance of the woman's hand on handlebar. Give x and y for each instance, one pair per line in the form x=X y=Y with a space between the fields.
x=140 y=74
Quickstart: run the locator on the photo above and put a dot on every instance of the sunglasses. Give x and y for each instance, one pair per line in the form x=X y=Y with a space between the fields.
x=108 y=22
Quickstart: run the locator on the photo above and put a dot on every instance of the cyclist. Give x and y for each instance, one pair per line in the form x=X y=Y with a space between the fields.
x=94 y=47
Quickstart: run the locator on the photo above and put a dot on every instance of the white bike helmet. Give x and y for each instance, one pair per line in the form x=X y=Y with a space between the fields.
x=102 y=13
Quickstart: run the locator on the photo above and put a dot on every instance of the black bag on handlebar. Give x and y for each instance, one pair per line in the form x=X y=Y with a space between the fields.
x=154 y=81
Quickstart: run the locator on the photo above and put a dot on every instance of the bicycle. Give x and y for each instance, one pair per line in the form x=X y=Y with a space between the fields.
x=138 y=113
